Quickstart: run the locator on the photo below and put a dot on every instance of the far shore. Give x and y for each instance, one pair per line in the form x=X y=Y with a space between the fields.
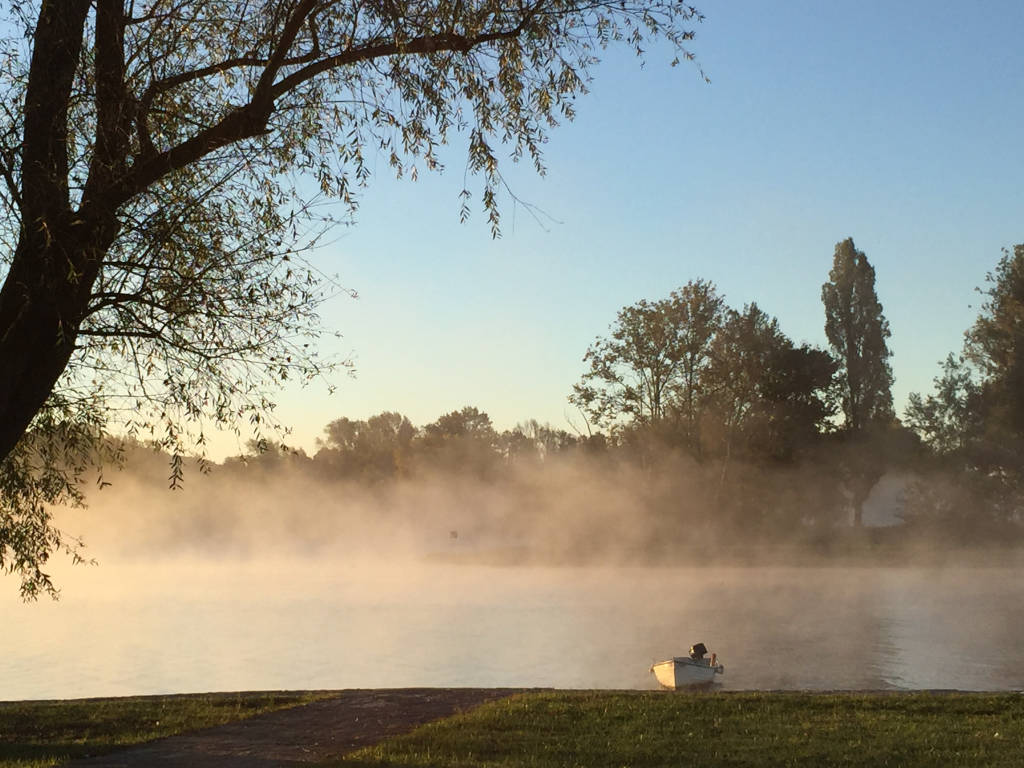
x=870 y=549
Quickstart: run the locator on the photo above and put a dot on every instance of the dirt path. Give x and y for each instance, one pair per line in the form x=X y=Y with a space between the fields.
x=302 y=735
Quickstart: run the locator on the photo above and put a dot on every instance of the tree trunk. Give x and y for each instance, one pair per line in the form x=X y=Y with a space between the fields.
x=46 y=290
x=861 y=486
x=40 y=314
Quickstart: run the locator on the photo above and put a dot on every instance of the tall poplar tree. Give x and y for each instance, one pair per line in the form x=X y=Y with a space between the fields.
x=857 y=332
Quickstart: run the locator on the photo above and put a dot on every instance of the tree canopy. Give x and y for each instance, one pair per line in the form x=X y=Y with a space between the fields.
x=710 y=380
x=150 y=155
x=974 y=420
x=770 y=396
x=650 y=366
x=995 y=343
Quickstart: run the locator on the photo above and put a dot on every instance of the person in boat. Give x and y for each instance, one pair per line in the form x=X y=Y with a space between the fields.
x=697 y=652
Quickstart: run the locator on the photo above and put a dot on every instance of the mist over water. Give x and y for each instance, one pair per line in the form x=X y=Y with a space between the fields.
x=195 y=626
x=230 y=585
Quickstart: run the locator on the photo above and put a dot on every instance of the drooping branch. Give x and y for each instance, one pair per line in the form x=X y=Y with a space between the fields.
x=250 y=119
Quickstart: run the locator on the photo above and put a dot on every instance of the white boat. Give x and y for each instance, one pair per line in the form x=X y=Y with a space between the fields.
x=683 y=671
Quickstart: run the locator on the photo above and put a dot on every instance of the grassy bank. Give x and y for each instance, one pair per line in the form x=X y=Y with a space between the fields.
x=643 y=730
x=592 y=729
x=44 y=733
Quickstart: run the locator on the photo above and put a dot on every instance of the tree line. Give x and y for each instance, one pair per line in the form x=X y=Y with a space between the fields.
x=740 y=428
x=704 y=432
x=972 y=425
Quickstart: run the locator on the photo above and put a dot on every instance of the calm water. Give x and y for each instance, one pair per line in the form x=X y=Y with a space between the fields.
x=154 y=629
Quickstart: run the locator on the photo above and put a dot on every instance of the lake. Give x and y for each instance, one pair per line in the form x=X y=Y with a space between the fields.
x=199 y=626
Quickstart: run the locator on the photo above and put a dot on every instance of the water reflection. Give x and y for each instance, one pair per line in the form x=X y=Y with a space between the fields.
x=233 y=626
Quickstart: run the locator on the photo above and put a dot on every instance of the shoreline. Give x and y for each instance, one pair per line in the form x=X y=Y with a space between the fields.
x=508 y=690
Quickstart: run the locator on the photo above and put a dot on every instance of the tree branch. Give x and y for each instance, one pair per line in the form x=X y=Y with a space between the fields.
x=55 y=53
x=250 y=119
x=109 y=156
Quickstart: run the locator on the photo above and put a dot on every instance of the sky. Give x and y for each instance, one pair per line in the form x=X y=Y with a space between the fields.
x=896 y=124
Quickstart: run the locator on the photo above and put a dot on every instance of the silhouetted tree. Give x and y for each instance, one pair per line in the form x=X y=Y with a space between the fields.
x=742 y=352
x=375 y=449
x=974 y=422
x=995 y=343
x=149 y=164
x=857 y=331
x=461 y=441
x=796 y=395
x=949 y=420
x=517 y=447
x=767 y=398
x=767 y=395
x=648 y=372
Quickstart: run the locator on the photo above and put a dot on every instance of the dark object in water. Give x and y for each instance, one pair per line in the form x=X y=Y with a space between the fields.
x=697 y=651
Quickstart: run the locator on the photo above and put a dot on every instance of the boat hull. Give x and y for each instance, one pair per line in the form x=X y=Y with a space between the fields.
x=682 y=672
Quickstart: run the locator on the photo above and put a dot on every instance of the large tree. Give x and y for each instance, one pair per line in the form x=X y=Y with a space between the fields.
x=741 y=353
x=995 y=343
x=462 y=441
x=857 y=331
x=149 y=153
x=770 y=397
x=951 y=419
x=978 y=406
x=974 y=422
x=648 y=371
x=371 y=450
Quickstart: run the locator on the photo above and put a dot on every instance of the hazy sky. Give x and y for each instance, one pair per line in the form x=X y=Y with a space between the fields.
x=897 y=124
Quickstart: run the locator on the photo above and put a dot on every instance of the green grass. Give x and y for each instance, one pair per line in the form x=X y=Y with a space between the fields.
x=643 y=730
x=43 y=733
x=592 y=729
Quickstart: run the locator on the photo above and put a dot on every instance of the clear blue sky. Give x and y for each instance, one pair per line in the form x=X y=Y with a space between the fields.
x=897 y=124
